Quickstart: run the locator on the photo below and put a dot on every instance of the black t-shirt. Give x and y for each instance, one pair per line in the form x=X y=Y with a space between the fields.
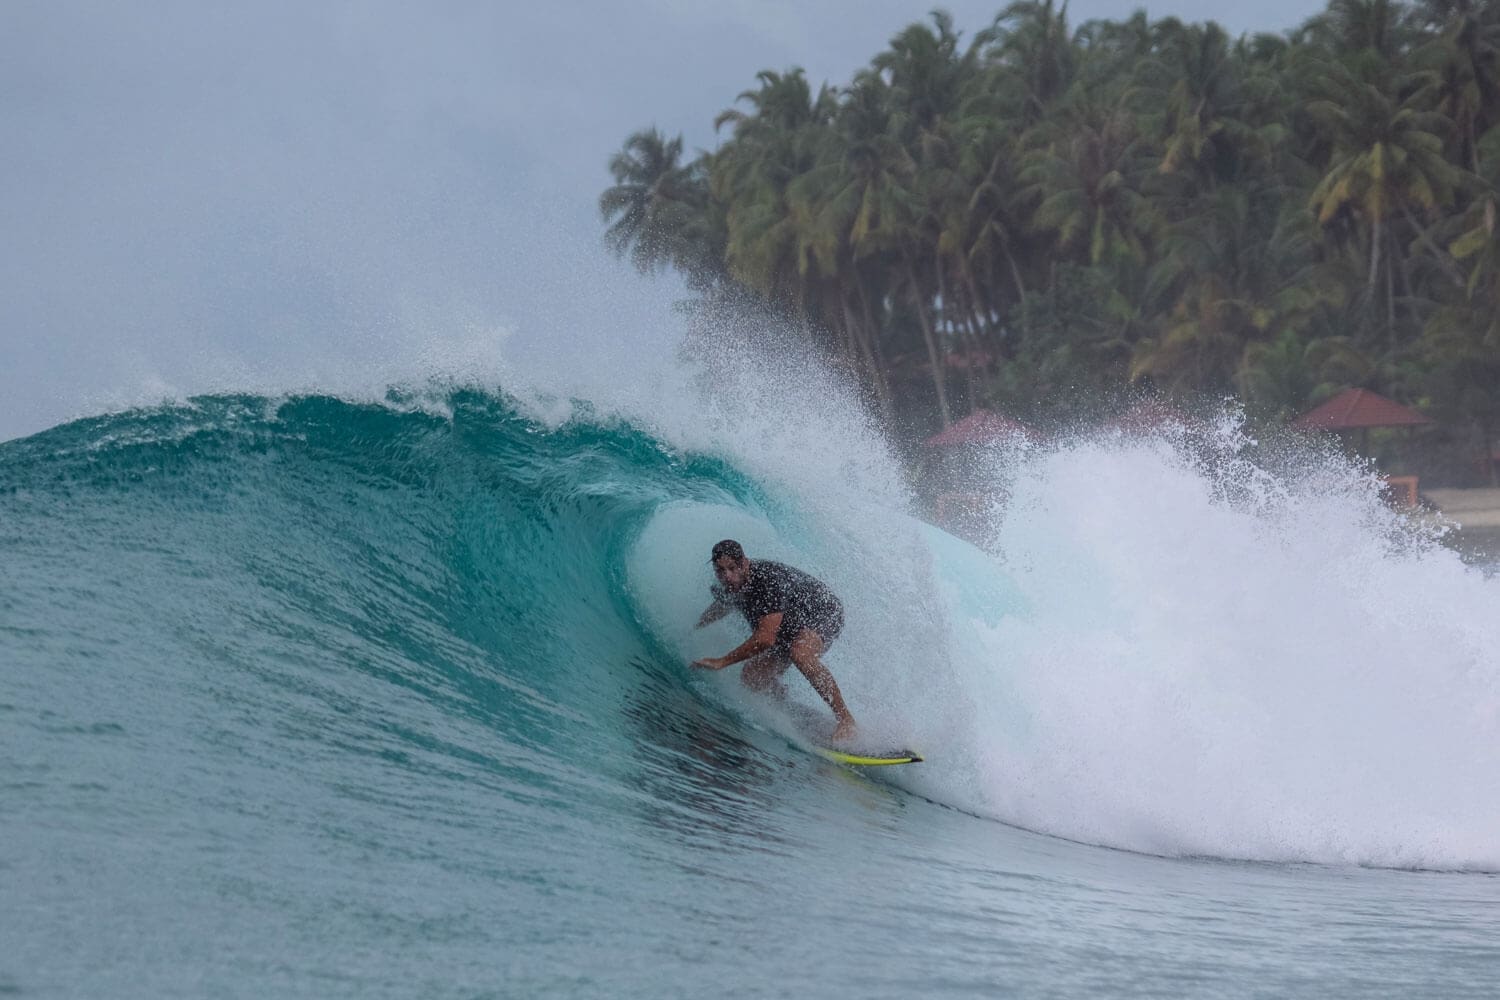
x=774 y=587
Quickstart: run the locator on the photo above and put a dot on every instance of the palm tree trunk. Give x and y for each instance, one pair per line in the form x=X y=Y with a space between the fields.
x=938 y=375
x=870 y=344
x=977 y=350
x=976 y=302
x=1015 y=275
x=1390 y=301
x=1408 y=292
x=984 y=329
x=1377 y=236
x=847 y=345
x=951 y=310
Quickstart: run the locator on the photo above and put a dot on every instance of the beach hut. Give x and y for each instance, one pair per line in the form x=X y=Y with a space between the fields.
x=1359 y=410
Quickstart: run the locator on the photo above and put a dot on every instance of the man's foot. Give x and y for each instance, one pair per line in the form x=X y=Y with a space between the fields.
x=843 y=731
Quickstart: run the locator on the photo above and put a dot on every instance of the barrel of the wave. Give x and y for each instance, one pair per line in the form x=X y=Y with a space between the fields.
x=672 y=607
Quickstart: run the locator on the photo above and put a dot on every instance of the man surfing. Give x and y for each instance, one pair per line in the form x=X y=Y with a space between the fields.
x=794 y=616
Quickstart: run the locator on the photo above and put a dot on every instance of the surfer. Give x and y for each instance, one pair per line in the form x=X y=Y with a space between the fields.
x=795 y=618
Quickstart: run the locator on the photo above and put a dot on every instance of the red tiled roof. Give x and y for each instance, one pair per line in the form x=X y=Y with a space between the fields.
x=1358 y=408
x=980 y=427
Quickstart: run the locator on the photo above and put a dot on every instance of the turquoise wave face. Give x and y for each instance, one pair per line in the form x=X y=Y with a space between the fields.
x=475 y=560
x=328 y=693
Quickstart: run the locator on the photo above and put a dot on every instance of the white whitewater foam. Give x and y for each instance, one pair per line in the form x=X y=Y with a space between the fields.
x=1214 y=660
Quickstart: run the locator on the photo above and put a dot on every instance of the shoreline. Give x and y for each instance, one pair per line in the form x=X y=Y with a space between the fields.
x=1476 y=507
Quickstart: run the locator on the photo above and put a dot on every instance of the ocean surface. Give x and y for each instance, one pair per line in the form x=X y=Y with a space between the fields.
x=321 y=697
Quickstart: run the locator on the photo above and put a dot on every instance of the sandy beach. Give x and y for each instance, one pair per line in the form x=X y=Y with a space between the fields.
x=1469 y=508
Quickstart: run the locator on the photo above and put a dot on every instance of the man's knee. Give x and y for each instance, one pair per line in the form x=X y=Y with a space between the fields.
x=761 y=672
x=806 y=649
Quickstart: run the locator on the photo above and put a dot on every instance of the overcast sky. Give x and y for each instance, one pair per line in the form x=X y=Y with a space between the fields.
x=286 y=195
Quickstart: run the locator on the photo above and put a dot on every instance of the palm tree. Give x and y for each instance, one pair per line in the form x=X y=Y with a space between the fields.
x=1031 y=38
x=1085 y=176
x=658 y=208
x=773 y=144
x=928 y=76
x=1386 y=160
x=989 y=228
x=1237 y=272
x=1195 y=79
x=1138 y=199
x=1117 y=48
x=1464 y=65
x=1460 y=343
x=1355 y=27
x=856 y=201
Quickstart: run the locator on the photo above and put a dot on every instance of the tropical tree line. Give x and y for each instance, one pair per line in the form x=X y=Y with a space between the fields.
x=1036 y=215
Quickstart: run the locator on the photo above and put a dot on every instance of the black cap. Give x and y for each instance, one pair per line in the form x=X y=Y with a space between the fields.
x=728 y=547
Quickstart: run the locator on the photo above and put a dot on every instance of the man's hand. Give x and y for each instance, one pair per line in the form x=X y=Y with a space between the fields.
x=711 y=663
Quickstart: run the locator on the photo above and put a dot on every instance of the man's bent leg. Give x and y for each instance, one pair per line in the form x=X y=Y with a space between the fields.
x=805 y=650
x=763 y=673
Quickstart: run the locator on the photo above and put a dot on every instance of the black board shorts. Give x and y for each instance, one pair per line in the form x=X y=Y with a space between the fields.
x=827 y=622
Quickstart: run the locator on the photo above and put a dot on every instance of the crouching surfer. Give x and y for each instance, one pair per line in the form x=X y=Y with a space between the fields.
x=794 y=616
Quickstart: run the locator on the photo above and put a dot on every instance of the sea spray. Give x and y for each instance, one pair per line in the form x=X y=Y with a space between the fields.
x=1215 y=658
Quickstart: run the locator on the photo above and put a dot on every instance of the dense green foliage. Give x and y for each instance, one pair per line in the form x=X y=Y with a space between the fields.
x=1037 y=216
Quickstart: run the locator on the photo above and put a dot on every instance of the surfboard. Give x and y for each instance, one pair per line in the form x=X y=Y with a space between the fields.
x=818 y=727
x=869 y=759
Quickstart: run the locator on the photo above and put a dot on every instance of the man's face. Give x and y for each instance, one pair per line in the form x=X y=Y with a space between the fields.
x=732 y=574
